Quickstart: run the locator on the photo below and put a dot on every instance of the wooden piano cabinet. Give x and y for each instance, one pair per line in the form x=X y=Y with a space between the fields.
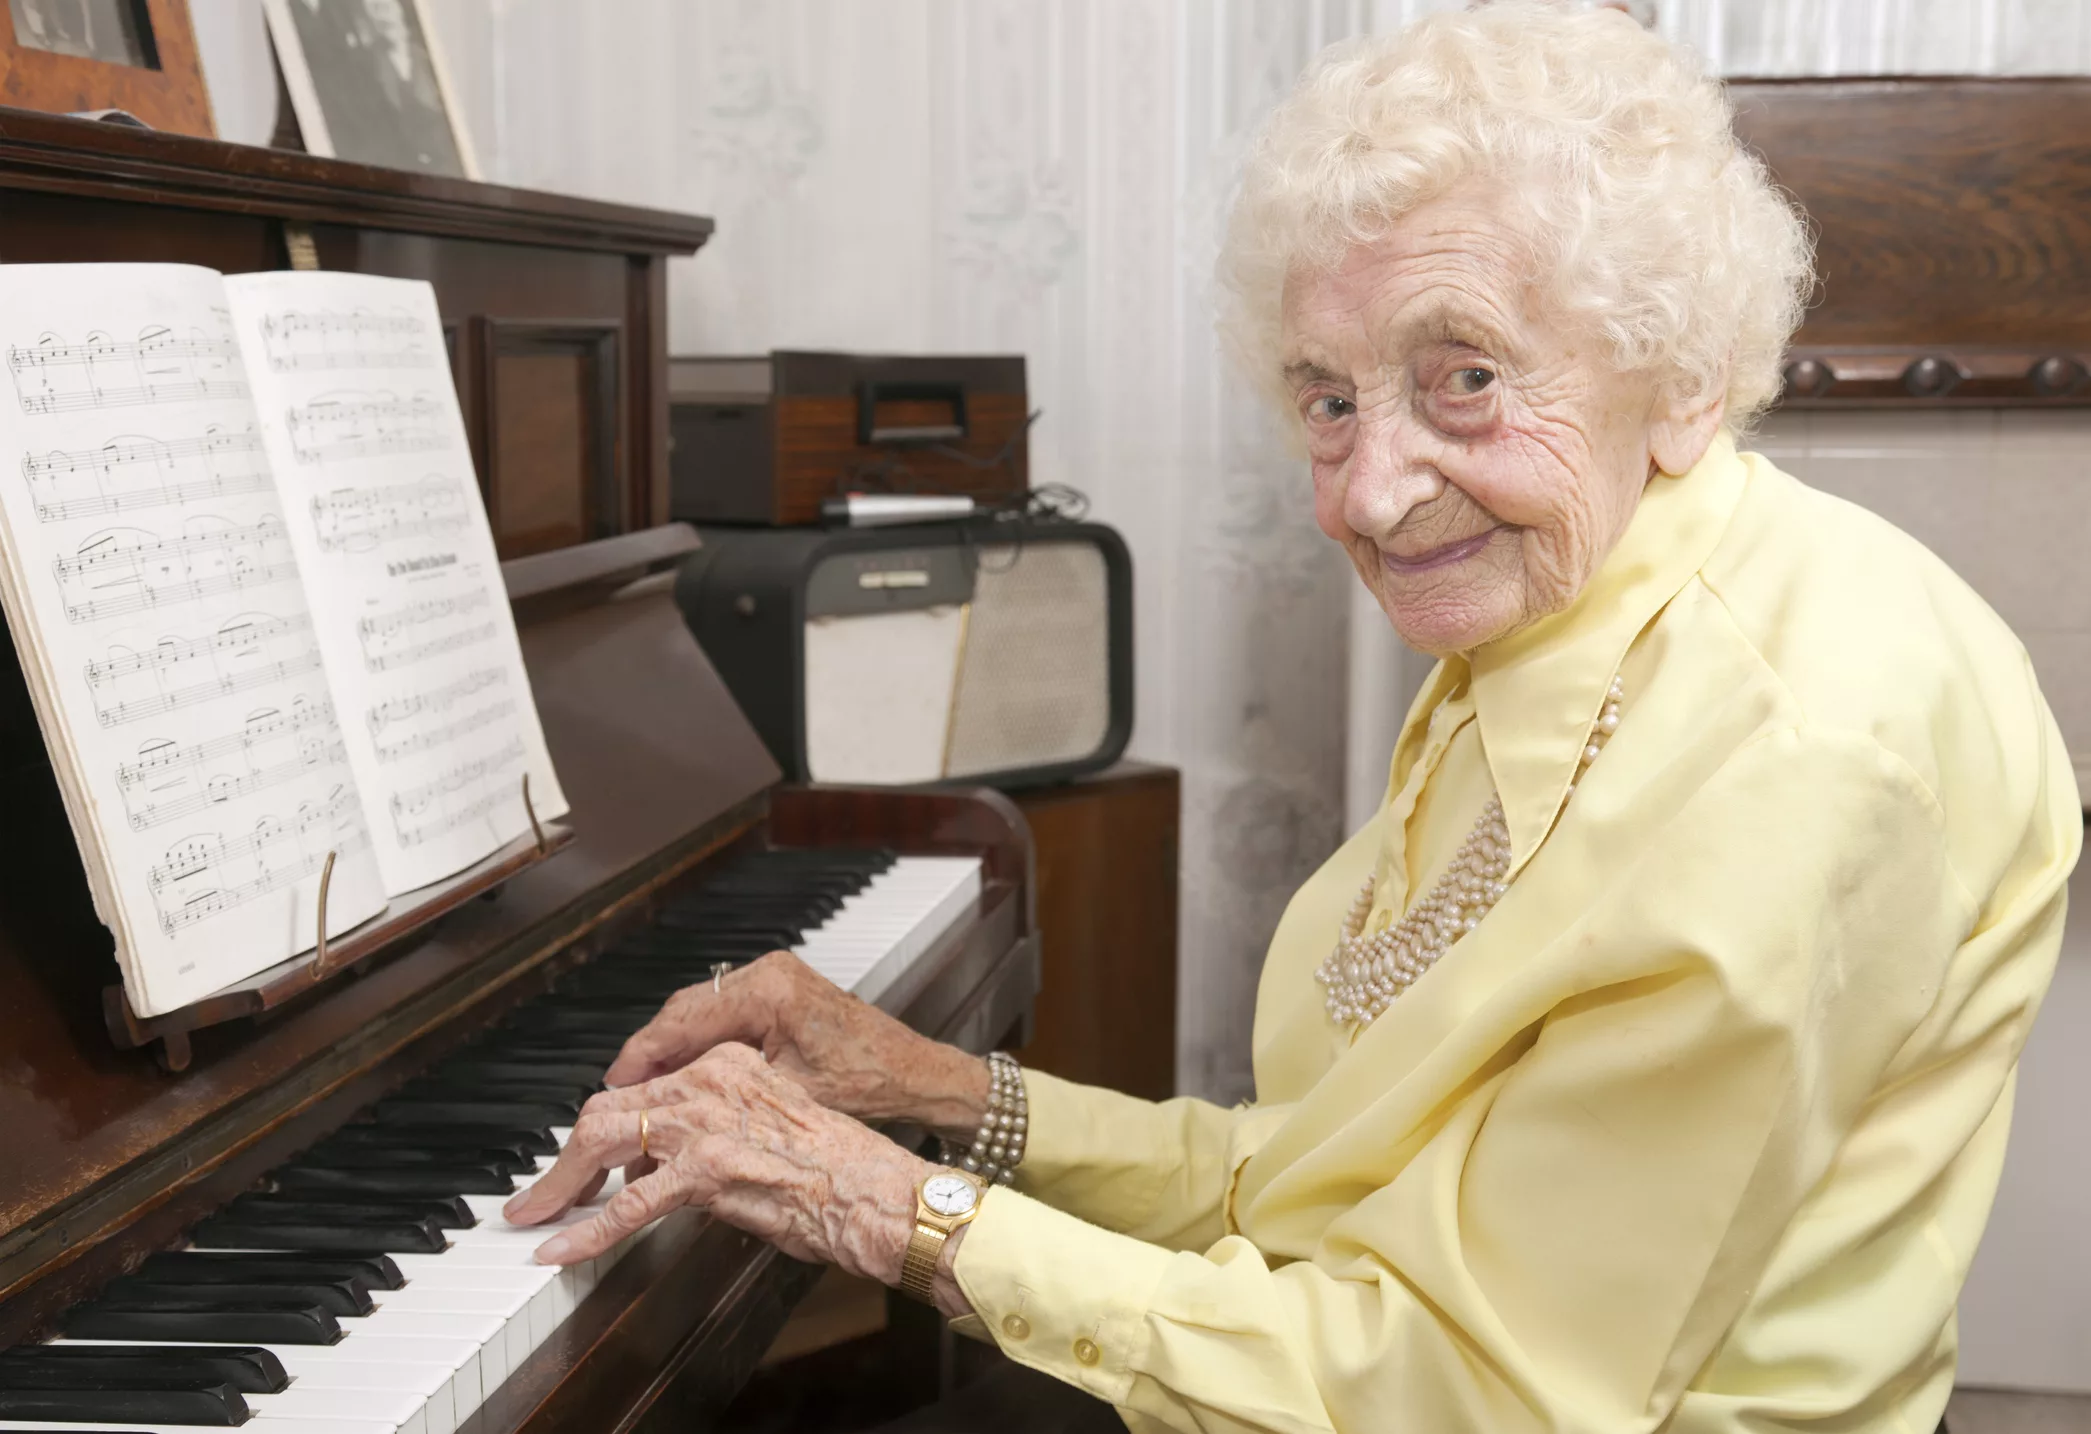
x=555 y=309
x=1107 y=871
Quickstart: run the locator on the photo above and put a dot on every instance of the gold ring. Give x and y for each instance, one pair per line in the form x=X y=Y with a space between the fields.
x=642 y=1134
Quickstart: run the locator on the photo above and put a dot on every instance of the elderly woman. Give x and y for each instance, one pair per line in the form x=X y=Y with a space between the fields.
x=1647 y=1061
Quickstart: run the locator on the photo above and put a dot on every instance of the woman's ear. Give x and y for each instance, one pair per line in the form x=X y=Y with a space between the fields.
x=1681 y=428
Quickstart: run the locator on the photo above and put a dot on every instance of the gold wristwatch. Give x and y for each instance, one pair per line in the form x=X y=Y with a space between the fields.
x=945 y=1200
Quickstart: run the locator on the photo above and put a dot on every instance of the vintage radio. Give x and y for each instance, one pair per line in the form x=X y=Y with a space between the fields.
x=765 y=440
x=997 y=652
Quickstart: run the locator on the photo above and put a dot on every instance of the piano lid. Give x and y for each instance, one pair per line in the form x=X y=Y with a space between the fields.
x=655 y=757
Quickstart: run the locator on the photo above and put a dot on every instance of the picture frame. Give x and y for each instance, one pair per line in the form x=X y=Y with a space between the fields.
x=367 y=82
x=88 y=56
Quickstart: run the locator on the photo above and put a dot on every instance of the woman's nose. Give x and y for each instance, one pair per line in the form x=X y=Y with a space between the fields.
x=1389 y=477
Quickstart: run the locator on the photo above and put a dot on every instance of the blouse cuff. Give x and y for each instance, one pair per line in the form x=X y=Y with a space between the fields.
x=1059 y=1294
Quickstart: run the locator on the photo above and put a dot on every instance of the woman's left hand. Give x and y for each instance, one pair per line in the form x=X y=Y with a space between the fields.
x=729 y=1134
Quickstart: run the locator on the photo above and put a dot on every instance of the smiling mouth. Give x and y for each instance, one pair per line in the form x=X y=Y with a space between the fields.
x=1438 y=557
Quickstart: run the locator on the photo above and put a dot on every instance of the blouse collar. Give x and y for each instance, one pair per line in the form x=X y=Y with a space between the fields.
x=1537 y=691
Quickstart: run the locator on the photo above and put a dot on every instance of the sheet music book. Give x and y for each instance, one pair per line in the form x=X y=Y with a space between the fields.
x=255 y=595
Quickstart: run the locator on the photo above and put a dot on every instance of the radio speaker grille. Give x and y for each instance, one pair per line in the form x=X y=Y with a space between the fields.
x=1034 y=681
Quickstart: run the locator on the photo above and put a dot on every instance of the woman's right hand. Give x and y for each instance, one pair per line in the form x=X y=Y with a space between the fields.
x=849 y=1056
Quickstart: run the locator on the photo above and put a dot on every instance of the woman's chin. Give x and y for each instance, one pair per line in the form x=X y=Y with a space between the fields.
x=1445 y=625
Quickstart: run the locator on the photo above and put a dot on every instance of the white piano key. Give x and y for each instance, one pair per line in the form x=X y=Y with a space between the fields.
x=390 y=1408
x=434 y=1384
x=878 y=932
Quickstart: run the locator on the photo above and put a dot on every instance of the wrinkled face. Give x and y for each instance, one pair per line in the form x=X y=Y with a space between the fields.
x=1475 y=459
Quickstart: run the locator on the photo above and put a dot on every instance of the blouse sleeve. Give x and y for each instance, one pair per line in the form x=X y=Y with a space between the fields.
x=1159 y=1171
x=1589 y=1215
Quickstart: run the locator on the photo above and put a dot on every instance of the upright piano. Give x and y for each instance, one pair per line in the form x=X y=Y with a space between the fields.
x=355 y=1135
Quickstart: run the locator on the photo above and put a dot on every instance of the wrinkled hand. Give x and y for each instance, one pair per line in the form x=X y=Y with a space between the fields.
x=729 y=1134
x=848 y=1055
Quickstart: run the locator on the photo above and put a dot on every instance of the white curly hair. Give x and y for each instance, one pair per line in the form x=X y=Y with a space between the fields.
x=1649 y=224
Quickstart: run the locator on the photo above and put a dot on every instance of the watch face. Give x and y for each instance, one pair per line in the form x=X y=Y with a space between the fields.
x=949 y=1194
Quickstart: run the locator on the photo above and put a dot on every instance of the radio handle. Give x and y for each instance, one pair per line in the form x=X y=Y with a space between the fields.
x=871 y=393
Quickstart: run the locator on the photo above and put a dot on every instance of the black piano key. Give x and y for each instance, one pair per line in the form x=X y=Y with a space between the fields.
x=770 y=935
x=305 y=1325
x=545 y=1021
x=249 y=1370
x=500 y=1088
x=218 y=1405
x=449 y=1213
x=511 y=1160
x=336 y=1297
x=395 y=1110
x=572 y=1073
x=531 y=1140
x=374 y=1272
x=665 y=945
x=408 y=1237
x=436 y=1180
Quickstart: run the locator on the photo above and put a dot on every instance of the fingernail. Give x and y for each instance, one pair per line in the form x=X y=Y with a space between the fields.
x=552 y=1251
x=515 y=1205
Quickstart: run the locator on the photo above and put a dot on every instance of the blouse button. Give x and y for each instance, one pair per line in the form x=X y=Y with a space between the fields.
x=1086 y=1352
x=1016 y=1326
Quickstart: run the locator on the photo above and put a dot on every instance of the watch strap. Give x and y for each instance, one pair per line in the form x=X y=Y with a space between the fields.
x=918 y=1268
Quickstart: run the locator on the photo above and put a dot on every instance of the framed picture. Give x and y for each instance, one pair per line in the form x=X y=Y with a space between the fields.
x=82 y=56
x=366 y=82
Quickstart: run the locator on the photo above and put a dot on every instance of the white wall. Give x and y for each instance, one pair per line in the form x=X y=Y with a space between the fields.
x=2005 y=497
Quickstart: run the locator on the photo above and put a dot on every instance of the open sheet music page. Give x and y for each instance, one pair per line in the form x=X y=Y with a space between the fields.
x=154 y=597
x=362 y=426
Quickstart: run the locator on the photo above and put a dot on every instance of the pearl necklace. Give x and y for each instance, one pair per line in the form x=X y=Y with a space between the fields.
x=1365 y=974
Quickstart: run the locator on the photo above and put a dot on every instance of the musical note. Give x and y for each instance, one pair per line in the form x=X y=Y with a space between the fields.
x=444 y=735
x=128 y=472
x=379 y=628
x=170 y=781
x=434 y=647
x=159 y=366
x=243 y=868
x=362 y=426
x=359 y=519
x=243 y=654
x=331 y=339
x=399 y=709
x=130 y=569
x=409 y=802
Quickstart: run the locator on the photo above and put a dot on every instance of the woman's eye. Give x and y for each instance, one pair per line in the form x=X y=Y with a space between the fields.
x=1468 y=381
x=1329 y=407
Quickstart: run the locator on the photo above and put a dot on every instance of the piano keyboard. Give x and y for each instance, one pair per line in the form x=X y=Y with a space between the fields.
x=374 y=1288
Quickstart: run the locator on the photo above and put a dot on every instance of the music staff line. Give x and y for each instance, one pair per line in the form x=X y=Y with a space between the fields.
x=200 y=854
x=126 y=574
x=332 y=340
x=219 y=789
x=338 y=429
x=160 y=366
x=443 y=736
x=400 y=709
x=357 y=519
x=90 y=472
x=407 y=802
x=219 y=900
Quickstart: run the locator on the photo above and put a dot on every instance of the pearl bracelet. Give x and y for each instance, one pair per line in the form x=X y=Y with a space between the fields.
x=998 y=1147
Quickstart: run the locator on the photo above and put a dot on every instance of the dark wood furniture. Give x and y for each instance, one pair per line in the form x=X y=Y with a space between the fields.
x=768 y=439
x=1954 y=237
x=555 y=309
x=110 y=1156
x=164 y=87
x=1107 y=894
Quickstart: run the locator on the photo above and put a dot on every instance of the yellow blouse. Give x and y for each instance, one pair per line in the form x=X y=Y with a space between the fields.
x=1698 y=1130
